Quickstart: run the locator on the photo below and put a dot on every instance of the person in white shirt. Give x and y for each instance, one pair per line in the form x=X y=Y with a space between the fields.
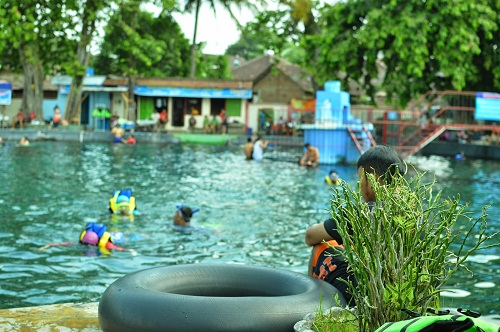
x=258 y=148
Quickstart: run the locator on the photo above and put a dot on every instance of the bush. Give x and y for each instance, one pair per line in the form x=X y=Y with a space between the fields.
x=399 y=249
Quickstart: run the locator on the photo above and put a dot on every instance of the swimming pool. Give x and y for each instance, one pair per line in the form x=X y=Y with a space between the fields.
x=250 y=213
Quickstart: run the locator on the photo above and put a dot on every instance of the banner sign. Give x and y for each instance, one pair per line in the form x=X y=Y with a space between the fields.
x=193 y=93
x=487 y=106
x=5 y=93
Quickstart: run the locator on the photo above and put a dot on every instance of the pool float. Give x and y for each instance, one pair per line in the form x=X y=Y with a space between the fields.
x=213 y=297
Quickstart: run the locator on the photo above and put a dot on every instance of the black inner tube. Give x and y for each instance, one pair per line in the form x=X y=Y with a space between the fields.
x=210 y=297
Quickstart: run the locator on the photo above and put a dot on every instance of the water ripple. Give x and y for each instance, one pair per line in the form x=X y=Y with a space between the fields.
x=250 y=213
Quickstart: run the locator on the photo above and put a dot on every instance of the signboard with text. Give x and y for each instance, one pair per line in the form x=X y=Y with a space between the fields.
x=5 y=93
x=487 y=106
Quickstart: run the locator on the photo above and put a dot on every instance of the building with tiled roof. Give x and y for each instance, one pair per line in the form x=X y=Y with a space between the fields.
x=275 y=80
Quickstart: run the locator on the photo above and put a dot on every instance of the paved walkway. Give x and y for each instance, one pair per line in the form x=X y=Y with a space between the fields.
x=66 y=317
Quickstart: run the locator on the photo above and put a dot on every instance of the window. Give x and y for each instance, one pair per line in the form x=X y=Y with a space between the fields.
x=193 y=106
x=217 y=105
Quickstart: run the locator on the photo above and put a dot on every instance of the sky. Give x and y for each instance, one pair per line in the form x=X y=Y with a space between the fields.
x=217 y=30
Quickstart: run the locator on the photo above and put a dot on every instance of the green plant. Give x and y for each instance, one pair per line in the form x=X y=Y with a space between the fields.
x=399 y=249
x=335 y=319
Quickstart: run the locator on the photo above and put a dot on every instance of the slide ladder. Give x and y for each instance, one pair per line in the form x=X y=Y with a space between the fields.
x=362 y=138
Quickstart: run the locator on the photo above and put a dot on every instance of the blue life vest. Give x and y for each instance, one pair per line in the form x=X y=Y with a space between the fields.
x=99 y=229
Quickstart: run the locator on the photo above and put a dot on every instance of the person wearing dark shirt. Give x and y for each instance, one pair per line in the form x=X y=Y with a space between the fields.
x=327 y=263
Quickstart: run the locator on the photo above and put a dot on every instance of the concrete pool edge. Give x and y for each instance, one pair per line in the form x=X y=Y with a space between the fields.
x=56 y=317
x=74 y=317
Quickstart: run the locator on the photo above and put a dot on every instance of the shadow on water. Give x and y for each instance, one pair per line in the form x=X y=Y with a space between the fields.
x=251 y=213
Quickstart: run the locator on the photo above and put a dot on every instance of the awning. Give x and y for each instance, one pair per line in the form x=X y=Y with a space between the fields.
x=193 y=93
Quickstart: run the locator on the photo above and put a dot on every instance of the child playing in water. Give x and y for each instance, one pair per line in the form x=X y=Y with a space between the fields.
x=95 y=235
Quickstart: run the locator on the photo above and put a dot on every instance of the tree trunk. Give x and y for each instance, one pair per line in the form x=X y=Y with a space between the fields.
x=131 y=112
x=33 y=80
x=193 y=45
x=38 y=79
x=73 y=104
x=28 y=93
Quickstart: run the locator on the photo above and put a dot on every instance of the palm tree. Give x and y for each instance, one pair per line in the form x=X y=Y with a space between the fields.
x=227 y=4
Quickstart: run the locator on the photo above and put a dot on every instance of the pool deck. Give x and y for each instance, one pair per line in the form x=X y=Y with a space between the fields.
x=38 y=134
x=82 y=136
x=71 y=317
x=67 y=317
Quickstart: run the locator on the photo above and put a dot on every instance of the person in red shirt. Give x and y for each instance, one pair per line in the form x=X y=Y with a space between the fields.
x=131 y=140
x=57 y=117
x=162 y=121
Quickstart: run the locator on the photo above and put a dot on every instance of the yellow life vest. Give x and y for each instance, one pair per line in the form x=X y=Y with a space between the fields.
x=330 y=182
x=117 y=206
x=103 y=240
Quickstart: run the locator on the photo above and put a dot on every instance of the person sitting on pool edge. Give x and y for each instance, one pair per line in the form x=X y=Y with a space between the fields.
x=326 y=263
x=123 y=202
x=183 y=215
x=332 y=178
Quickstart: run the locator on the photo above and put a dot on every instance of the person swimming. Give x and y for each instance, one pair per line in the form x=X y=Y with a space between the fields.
x=332 y=178
x=123 y=202
x=96 y=235
x=183 y=215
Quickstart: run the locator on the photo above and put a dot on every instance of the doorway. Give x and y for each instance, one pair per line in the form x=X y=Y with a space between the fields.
x=178 y=112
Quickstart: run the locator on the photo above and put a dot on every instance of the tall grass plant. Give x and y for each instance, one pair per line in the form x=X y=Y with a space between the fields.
x=399 y=250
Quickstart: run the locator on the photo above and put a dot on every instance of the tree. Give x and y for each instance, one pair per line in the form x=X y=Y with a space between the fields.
x=270 y=30
x=424 y=44
x=214 y=66
x=227 y=4
x=36 y=31
x=138 y=43
x=89 y=18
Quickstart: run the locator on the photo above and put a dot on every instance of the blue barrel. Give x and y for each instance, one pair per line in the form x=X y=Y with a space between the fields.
x=249 y=131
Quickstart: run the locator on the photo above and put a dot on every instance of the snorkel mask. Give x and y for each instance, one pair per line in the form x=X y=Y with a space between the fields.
x=123 y=204
x=186 y=212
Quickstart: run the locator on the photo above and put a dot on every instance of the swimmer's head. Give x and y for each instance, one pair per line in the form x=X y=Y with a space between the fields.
x=90 y=238
x=334 y=176
x=122 y=199
x=123 y=204
x=183 y=215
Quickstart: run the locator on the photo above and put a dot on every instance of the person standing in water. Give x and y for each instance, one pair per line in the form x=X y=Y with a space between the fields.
x=258 y=148
x=248 y=148
x=310 y=157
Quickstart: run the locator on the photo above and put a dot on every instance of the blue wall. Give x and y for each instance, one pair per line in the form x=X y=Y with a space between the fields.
x=335 y=145
x=95 y=99
x=329 y=132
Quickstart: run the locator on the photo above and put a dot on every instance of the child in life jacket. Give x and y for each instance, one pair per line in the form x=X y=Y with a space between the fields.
x=95 y=235
x=123 y=202
x=332 y=178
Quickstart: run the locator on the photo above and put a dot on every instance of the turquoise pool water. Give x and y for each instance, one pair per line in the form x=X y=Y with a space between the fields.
x=250 y=213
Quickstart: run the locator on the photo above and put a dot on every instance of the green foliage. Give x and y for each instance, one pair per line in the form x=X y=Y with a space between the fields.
x=400 y=250
x=423 y=44
x=335 y=319
x=214 y=66
x=138 y=43
x=273 y=30
x=36 y=25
